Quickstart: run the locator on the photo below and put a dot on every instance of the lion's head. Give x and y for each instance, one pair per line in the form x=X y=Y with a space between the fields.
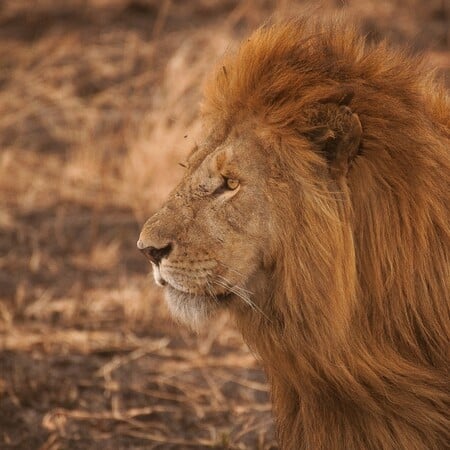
x=315 y=209
x=216 y=242
x=212 y=239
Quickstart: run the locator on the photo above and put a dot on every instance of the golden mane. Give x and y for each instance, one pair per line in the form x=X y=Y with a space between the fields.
x=357 y=348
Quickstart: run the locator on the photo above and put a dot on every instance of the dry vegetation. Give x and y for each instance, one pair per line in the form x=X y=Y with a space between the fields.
x=98 y=103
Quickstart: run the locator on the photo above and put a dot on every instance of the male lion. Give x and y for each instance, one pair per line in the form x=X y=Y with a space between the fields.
x=316 y=210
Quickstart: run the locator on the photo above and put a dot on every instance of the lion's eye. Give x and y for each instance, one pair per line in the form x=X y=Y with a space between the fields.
x=232 y=183
x=229 y=184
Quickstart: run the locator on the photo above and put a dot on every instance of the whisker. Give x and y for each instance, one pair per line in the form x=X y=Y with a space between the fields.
x=211 y=291
x=241 y=293
x=246 y=291
x=232 y=269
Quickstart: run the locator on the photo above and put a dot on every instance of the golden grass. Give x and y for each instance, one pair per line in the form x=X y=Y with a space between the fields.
x=98 y=104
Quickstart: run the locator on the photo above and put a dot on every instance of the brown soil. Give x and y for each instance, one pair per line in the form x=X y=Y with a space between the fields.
x=98 y=103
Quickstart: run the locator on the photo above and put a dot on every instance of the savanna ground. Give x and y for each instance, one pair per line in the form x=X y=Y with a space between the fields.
x=98 y=104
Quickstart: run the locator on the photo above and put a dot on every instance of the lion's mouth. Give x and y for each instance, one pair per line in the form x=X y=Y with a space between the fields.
x=198 y=293
x=222 y=298
x=210 y=296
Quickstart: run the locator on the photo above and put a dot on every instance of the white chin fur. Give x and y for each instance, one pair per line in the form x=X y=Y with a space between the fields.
x=193 y=311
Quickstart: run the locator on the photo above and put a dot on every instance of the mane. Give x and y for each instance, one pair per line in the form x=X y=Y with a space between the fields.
x=284 y=67
x=359 y=329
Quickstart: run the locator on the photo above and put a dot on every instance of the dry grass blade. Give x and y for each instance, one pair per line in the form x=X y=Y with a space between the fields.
x=83 y=342
x=105 y=370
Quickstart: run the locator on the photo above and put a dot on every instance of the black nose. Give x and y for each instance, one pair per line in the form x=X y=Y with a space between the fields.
x=155 y=255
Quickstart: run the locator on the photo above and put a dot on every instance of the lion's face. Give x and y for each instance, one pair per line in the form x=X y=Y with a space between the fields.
x=209 y=241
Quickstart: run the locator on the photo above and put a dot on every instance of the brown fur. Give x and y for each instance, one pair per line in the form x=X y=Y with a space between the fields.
x=354 y=278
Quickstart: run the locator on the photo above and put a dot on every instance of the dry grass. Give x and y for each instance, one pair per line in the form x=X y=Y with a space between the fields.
x=98 y=103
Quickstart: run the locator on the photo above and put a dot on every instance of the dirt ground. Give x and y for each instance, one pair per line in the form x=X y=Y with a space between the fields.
x=98 y=104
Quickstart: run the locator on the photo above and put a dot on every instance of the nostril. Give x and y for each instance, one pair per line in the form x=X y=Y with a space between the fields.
x=155 y=255
x=159 y=253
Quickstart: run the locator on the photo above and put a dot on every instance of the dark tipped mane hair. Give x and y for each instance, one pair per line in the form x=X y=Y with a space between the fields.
x=357 y=348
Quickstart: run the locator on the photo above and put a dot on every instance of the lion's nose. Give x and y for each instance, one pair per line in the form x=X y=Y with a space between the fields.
x=154 y=254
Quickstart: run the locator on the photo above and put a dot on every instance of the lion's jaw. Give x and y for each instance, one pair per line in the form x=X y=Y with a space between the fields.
x=189 y=294
x=216 y=226
x=185 y=306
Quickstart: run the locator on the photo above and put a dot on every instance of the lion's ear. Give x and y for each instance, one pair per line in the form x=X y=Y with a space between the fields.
x=342 y=148
x=335 y=131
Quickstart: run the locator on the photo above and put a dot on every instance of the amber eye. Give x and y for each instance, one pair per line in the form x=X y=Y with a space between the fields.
x=232 y=183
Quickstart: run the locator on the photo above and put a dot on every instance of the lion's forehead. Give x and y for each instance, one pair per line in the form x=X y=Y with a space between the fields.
x=237 y=147
x=203 y=154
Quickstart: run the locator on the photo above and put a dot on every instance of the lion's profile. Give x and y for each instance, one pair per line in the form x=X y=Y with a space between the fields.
x=316 y=210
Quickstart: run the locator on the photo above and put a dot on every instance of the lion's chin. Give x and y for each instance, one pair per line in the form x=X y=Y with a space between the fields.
x=191 y=309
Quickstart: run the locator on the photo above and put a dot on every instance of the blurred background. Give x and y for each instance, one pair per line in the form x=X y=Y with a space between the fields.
x=98 y=104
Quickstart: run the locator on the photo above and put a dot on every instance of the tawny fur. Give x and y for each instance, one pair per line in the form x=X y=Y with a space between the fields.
x=356 y=350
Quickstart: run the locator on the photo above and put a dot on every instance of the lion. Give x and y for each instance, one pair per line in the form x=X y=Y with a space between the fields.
x=315 y=209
